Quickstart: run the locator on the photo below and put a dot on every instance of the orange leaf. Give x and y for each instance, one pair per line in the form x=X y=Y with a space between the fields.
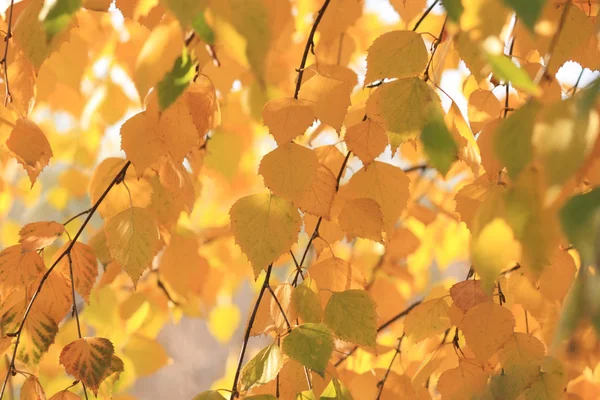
x=65 y=395
x=467 y=294
x=29 y=146
x=361 y=218
x=287 y=118
x=19 y=268
x=38 y=235
x=367 y=140
x=32 y=389
x=289 y=170
x=85 y=267
x=318 y=196
x=89 y=360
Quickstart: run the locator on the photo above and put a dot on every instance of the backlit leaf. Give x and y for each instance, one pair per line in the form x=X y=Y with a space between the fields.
x=209 y=395
x=579 y=218
x=289 y=170
x=38 y=235
x=439 y=145
x=362 y=218
x=317 y=198
x=504 y=68
x=132 y=238
x=59 y=16
x=396 y=54
x=32 y=389
x=306 y=302
x=65 y=395
x=467 y=294
x=263 y=367
x=351 y=316
x=487 y=327
x=29 y=146
x=19 y=268
x=467 y=380
x=528 y=12
x=427 y=319
x=264 y=226
x=367 y=140
x=336 y=391
x=287 y=118
x=88 y=360
x=403 y=107
x=175 y=81
x=311 y=345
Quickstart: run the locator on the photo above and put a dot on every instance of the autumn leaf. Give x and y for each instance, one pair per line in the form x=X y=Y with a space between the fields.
x=19 y=268
x=38 y=235
x=306 y=302
x=264 y=226
x=28 y=144
x=88 y=360
x=32 y=389
x=287 y=118
x=352 y=317
x=64 y=395
x=427 y=319
x=132 y=238
x=367 y=140
x=263 y=368
x=311 y=345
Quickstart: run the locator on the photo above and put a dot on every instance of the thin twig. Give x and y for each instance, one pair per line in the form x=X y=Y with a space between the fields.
x=4 y=61
x=554 y=41
x=436 y=43
x=234 y=391
x=75 y=311
x=425 y=14
x=164 y=289
x=118 y=178
x=506 y=104
x=381 y=383
x=74 y=217
x=309 y=44
x=287 y=321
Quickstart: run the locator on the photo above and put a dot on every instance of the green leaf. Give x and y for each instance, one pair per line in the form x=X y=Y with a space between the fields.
x=351 y=316
x=528 y=11
x=306 y=395
x=439 y=145
x=209 y=395
x=454 y=8
x=336 y=391
x=512 y=139
x=202 y=29
x=59 y=16
x=504 y=68
x=263 y=368
x=306 y=301
x=261 y=397
x=311 y=345
x=186 y=11
x=175 y=81
x=580 y=218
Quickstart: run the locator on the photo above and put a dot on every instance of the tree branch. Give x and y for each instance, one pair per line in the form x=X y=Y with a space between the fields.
x=118 y=178
x=287 y=321
x=425 y=14
x=234 y=391
x=7 y=97
x=381 y=383
x=309 y=44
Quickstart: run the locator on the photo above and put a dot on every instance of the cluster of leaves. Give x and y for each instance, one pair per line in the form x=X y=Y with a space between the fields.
x=354 y=198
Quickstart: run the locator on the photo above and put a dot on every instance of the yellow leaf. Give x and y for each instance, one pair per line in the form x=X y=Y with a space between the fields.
x=329 y=93
x=396 y=54
x=146 y=354
x=468 y=380
x=223 y=321
x=486 y=327
x=89 y=360
x=132 y=238
x=483 y=107
x=305 y=301
x=157 y=56
x=352 y=317
x=403 y=107
x=467 y=294
x=264 y=226
x=361 y=218
x=19 y=268
x=384 y=183
x=21 y=76
x=55 y=298
x=30 y=147
x=65 y=395
x=289 y=170
x=336 y=275
x=556 y=278
x=494 y=249
x=408 y=9
x=201 y=99
x=30 y=35
x=32 y=389
x=38 y=235
x=340 y=15
x=427 y=319
x=150 y=135
x=317 y=198
x=182 y=267
x=287 y=118
x=366 y=140
x=402 y=243
x=284 y=295
x=85 y=267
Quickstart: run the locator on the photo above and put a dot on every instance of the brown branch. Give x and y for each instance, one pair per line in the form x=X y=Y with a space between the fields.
x=118 y=178
x=425 y=14
x=164 y=289
x=435 y=44
x=506 y=104
x=381 y=383
x=234 y=391
x=75 y=311
x=309 y=44
x=4 y=61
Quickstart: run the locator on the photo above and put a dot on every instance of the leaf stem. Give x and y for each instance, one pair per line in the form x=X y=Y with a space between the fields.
x=118 y=178
x=309 y=44
x=234 y=391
